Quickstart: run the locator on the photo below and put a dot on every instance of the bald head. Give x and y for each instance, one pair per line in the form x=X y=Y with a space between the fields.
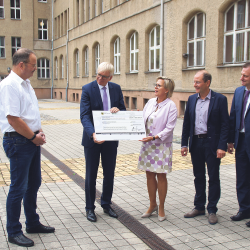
x=21 y=55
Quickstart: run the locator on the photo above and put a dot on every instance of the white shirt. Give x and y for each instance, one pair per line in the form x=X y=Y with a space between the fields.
x=248 y=101
x=107 y=91
x=18 y=98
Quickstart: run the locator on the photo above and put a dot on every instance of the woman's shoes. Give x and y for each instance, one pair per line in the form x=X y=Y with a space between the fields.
x=146 y=215
x=161 y=218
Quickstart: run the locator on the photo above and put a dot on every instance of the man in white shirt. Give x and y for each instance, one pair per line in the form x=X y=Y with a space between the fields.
x=21 y=125
x=239 y=138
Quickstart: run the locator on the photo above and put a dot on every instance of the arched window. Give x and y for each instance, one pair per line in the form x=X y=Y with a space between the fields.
x=154 y=49
x=134 y=51
x=117 y=56
x=43 y=68
x=61 y=66
x=196 y=40
x=77 y=72
x=97 y=57
x=86 y=61
x=56 y=68
x=237 y=33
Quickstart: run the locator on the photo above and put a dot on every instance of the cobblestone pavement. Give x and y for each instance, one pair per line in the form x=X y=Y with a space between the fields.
x=61 y=202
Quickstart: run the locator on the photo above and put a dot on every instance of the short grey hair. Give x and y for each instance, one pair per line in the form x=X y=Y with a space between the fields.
x=168 y=84
x=106 y=66
x=21 y=55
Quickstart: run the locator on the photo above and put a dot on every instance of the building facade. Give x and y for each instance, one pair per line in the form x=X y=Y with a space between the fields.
x=143 y=39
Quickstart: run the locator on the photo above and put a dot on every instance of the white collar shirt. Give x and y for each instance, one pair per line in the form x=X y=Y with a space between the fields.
x=18 y=98
x=107 y=91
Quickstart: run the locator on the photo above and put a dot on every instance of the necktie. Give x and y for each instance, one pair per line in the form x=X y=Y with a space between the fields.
x=244 y=109
x=105 y=100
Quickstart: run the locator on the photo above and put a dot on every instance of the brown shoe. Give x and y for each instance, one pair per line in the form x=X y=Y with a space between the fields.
x=193 y=213
x=212 y=218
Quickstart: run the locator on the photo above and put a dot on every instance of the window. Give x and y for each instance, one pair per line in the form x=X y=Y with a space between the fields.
x=43 y=68
x=15 y=9
x=134 y=52
x=97 y=57
x=77 y=63
x=237 y=33
x=15 y=44
x=196 y=40
x=1 y=9
x=2 y=77
x=134 y=103
x=102 y=10
x=62 y=66
x=44 y=1
x=127 y=101
x=86 y=61
x=42 y=29
x=145 y=100
x=56 y=68
x=117 y=56
x=2 y=47
x=154 y=49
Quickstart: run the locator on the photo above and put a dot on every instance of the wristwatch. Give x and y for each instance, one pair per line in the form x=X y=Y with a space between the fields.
x=153 y=138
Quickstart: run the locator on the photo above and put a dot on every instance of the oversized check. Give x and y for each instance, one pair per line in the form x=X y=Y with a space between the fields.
x=123 y=125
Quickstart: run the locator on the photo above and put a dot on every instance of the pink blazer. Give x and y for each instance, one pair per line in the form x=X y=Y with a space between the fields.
x=164 y=120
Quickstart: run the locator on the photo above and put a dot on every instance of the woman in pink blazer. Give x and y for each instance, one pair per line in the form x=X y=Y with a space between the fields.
x=160 y=115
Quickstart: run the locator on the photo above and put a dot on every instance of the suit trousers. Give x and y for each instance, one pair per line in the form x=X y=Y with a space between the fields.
x=202 y=154
x=108 y=152
x=243 y=174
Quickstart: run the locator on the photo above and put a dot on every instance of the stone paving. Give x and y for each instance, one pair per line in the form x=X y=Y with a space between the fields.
x=61 y=202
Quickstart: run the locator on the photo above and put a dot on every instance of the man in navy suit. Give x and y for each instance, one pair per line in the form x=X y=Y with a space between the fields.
x=100 y=94
x=206 y=127
x=239 y=138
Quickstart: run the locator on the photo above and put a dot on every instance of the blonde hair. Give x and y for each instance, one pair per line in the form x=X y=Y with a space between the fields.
x=106 y=66
x=168 y=84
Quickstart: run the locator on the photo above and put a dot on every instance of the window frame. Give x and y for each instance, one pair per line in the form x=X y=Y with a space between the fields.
x=62 y=66
x=117 y=56
x=40 y=20
x=56 y=68
x=15 y=47
x=16 y=9
x=2 y=47
x=77 y=63
x=134 y=52
x=155 y=48
x=42 y=1
x=195 y=40
x=97 y=57
x=236 y=31
x=86 y=61
x=2 y=7
x=40 y=68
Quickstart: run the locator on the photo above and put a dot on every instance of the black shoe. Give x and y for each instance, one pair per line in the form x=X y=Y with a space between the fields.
x=40 y=229
x=248 y=224
x=91 y=215
x=110 y=212
x=240 y=216
x=21 y=240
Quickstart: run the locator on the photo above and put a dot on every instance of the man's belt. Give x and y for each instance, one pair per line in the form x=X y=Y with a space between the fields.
x=201 y=136
x=14 y=134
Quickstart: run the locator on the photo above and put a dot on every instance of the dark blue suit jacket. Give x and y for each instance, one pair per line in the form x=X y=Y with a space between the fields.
x=235 y=119
x=91 y=100
x=217 y=123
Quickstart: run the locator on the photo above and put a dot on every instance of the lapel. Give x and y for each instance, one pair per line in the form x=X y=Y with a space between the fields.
x=97 y=94
x=211 y=103
x=112 y=95
x=192 y=107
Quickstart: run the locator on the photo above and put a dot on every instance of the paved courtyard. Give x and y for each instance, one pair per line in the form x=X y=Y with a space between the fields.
x=61 y=198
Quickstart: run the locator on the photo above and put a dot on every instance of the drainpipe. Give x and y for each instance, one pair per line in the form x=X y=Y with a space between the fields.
x=52 y=50
x=67 y=60
x=162 y=38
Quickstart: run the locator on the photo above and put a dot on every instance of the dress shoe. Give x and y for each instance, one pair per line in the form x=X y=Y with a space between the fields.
x=194 y=213
x=248 y=224
x=240 y=216
x=40 y=229
x=21 y=240
x=146 y=215
x=110 y=212
x=161 y=218
x=91 y=215
x=212 y=218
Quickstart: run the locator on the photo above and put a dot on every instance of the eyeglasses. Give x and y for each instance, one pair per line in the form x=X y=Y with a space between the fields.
x=158 y=86
x=102 y=76
x=33 y=65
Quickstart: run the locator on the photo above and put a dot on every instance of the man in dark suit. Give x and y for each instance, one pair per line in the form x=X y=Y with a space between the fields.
x=239 y=138
x=100 y=94
x=206 y=127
